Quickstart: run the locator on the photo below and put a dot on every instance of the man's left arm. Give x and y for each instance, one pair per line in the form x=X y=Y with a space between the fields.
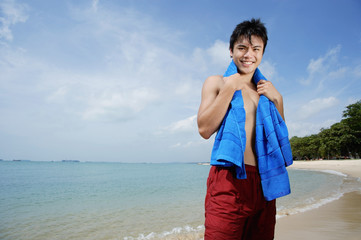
x=267 y=89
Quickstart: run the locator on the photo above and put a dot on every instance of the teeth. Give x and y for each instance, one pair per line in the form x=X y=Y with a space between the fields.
x=247 y=63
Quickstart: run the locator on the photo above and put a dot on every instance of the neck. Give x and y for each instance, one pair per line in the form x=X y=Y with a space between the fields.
x=247 y=77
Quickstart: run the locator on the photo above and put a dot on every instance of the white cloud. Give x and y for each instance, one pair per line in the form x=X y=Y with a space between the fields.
x=268 y=69
x=320 y=68
x=219 y=53
x=190 y=144
x=119 y=105
x=315 y=106
x=185 y=125
x=58 y=95
x=184 y=134
x=95 y=5
x=315 y=65
x=177 y=145
x=12 y=13
x=338 y=73
x=357 y=71
x=213 y=60
x=184 y=87
x=303 y=128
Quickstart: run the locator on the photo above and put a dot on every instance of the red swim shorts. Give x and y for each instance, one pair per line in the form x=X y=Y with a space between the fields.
x=236 y=208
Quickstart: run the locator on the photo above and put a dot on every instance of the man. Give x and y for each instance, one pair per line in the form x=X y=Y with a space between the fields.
x=236 y=208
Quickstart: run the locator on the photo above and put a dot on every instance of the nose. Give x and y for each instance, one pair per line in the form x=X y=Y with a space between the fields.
x=248 y=53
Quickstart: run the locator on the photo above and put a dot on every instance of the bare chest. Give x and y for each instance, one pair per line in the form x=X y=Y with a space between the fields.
x=250 y=100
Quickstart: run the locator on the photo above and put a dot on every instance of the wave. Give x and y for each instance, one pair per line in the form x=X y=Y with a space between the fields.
x=349 y=184
x=178 y=233
x=310 y=204
x=334 y=172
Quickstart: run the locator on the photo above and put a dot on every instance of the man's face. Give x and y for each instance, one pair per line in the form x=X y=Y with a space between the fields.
x=247 y=56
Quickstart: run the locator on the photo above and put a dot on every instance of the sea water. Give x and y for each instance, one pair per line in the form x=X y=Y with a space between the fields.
x=65 y=200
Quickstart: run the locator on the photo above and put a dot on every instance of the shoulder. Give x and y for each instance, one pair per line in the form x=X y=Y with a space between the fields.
x=214 y=83
x=214 y=78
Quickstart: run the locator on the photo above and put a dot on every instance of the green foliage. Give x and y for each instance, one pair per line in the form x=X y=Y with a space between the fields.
x=342 y=139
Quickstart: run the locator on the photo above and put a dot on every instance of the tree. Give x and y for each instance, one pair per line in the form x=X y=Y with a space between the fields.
x=341 y=139
x=352 y=115
x=352 y=119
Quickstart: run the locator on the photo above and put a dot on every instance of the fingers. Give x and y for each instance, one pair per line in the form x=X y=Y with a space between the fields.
x=260 y=91
x=264 y=87
x=261 y=82
x=264 y=84
x=261 y=85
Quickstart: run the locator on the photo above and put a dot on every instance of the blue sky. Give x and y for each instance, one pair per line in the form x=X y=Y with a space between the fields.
x=121 y=80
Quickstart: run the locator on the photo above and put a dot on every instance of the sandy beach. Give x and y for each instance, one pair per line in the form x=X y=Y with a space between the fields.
x=340 y=219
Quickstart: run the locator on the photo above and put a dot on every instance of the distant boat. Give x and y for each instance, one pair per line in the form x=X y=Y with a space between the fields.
x=70 y=160
x=204 y=163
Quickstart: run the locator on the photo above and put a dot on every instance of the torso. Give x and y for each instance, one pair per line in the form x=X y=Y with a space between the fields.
x=250 y=99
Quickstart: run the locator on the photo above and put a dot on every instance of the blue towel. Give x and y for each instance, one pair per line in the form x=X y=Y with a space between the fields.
x=272 y=145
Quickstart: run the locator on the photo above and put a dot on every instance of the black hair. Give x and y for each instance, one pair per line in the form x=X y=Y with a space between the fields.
x=247 y=29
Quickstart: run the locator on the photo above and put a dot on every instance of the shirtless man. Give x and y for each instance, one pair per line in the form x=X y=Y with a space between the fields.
x=240 y=218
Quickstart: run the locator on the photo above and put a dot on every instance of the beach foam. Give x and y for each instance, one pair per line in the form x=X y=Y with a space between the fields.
x=349 y=184
x=311 y=203
x=178 y=233
x=334 y=172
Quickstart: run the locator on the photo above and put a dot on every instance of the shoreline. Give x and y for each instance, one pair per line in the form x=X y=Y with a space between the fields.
x=349 y=167
x=339 y=219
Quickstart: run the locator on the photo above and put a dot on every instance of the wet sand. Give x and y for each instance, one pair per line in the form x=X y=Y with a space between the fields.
x=340 y=219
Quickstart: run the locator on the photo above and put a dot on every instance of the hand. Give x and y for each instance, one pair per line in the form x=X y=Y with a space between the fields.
x=267 y=89
x=234 y=81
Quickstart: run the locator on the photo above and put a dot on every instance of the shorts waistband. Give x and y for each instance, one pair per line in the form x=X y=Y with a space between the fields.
x=251 y=169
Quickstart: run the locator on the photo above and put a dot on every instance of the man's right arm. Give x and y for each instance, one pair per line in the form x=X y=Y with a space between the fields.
x=216 y=97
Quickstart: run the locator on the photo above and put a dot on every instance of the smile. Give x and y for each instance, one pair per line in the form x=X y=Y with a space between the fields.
x=247 y=63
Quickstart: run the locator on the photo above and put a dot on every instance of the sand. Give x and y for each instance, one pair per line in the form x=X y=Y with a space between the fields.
x=340 y=219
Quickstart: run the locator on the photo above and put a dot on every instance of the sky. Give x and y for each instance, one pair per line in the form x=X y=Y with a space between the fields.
x=120 y=81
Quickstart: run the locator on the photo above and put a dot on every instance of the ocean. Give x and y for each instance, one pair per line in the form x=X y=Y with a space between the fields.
x=69 y=200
